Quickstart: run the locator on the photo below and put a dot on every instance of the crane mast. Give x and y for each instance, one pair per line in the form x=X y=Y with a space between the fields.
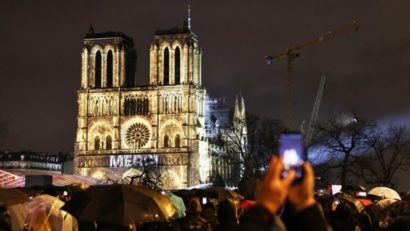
x=315 y=112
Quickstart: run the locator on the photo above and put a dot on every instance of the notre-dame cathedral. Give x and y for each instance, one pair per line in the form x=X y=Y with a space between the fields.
x=121 y=124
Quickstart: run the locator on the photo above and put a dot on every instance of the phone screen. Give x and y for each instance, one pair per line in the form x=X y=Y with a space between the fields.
x=291 y=148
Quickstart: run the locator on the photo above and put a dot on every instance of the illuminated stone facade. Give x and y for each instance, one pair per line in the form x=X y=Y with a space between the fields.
x=121 y=124
x=227 y=137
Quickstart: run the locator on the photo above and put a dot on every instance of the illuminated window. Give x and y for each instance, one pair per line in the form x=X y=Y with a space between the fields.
x=177 y=66
x=108 y=143
x=109 y=69
x=177 y=141
x=166 y=141
x=98 y=69
x=166 y=66
x=97 y=143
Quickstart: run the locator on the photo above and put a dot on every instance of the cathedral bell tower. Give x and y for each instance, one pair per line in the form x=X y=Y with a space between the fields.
x=175 y=57
x=108 y=63
x=108 y=60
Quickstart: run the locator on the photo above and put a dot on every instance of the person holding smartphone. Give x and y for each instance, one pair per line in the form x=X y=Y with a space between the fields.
x=302 y=214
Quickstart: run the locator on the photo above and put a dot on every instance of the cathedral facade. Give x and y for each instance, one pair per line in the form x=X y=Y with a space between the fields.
x=122 y=125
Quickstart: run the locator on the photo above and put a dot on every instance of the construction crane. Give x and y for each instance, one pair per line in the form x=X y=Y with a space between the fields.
x=292 y=53
x=315 y=112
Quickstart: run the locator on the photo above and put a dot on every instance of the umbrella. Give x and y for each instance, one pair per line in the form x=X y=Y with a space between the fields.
x=44 y=212
x=179 y=204
x=384 y=192
x=245 y=204
x=221 y=193
x=346 y=198
x=18 y=214
x=384 y=203
x=12 y=196
x=127 y=204
x=75 y=206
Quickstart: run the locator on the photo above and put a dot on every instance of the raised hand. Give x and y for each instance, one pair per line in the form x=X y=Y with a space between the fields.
x=301 y=195
x=273 y=190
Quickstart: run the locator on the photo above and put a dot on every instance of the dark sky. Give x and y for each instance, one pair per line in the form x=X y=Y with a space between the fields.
x=41 y=43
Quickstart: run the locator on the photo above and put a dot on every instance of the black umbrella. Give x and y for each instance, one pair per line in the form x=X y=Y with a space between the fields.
x=126 y=204
x=75 y=206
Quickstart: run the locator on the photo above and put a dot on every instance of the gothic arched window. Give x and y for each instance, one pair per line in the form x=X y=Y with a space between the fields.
x=96 y=107
x=177 y=66
x=109 y=69
x=133 y=104
x=179 y=103
x=110 y=107
x=108 y=143
x=140 y=106
x=166 y=141
x=97 y=143
x=177 y=141
x=98 y=69
x=175 y=103
x=166 y=66
x=126 y=106
x=146 y=106
x=166 y=104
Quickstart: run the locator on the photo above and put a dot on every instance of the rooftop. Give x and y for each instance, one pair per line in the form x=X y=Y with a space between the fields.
x=108 y=34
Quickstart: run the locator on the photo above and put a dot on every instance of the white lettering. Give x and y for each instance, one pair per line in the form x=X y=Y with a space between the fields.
x=128 y=161
x=117 y=161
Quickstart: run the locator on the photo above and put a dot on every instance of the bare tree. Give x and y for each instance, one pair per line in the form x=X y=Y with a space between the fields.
x=235 y=150
x=343 y=140
x=388 y=152
x=248 y=146
x=148 y=175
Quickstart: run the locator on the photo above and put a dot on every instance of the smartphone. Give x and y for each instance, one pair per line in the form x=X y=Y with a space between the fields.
x=204 y=200
x=291 y=148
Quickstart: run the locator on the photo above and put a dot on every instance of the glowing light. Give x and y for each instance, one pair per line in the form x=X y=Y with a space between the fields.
x=291 y=158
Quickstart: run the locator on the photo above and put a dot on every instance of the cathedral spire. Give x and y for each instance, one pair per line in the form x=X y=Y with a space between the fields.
x=189 y=18
x=243 y=112
x=237 y=111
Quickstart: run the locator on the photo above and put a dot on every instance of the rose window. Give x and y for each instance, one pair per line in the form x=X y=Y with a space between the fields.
x=137 y=135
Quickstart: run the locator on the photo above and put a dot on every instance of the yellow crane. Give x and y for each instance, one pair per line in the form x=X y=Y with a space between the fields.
x=292 y=53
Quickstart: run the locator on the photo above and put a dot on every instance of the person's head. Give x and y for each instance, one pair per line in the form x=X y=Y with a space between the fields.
x=227 y=212
x=247 y=187
x=5 y=220
x=400 y=224
x=194 y=206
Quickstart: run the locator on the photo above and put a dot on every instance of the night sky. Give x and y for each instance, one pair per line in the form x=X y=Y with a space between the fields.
x=41 y=43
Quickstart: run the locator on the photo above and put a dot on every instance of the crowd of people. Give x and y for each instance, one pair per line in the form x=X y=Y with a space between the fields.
x=277 y=204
